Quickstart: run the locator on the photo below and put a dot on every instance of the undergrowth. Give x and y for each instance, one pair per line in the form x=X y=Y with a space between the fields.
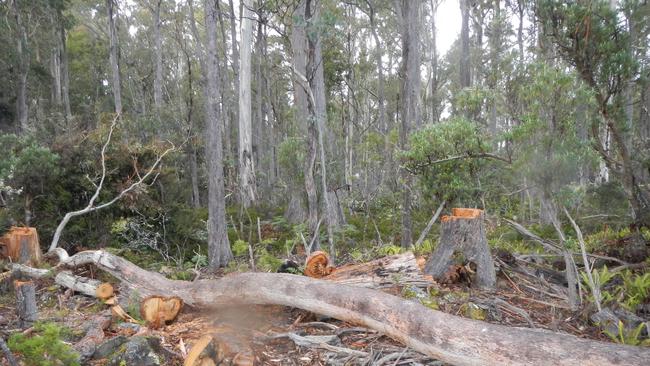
x=45 y=347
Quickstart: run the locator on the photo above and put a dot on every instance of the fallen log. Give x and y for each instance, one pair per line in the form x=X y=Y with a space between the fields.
x=386 y=272
x=449 y=338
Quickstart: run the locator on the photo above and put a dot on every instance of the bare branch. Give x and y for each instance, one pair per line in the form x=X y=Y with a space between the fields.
x=91 y=204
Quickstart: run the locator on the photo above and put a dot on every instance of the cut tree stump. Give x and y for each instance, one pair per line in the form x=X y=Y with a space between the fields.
x=463 y=233
x=449 y=338
x=20 y=245
x=26 y=303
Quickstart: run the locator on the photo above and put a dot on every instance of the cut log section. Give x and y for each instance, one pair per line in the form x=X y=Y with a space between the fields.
x=118 y=312
x=158 y=310
x=317 y=265
x=26 y=303
x=20 y=245
x=104 y=291
x=463 y=234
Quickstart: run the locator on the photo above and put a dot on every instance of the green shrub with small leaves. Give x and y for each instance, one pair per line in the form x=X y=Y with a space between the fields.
x=239 y=248
x=389 y=250
x=44 y=347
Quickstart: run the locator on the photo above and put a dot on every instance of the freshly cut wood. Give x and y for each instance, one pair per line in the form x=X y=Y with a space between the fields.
x=104 y=291
x=26 y=303
x=387 y=272
x=446 y=337
x=225 y=346
x=317 y=265
x=463 y=233
x=20 y=244
x=118 y=312
x=202 y=353
x=157 y=310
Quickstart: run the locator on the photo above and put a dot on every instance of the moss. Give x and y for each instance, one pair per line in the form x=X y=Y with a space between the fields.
x=473 y=311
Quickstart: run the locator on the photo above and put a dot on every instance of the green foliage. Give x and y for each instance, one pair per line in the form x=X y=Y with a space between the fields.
x=458 y=140
x=635 y=289
x=473 y=311
x=550 y=148
x=44 y=347
x=267 y=262
x=389 y=250
x=631 y=337
x=291 y=157
x=199 y=260
x=601 y=278
x=425 y=248
x=239 y=248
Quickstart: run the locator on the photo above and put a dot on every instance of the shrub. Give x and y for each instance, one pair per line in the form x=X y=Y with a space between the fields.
x=44 y=347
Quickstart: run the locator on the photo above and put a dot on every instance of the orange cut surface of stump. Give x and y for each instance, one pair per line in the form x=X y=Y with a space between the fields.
x=318 y=265
x=20 y=244
x=462 y=213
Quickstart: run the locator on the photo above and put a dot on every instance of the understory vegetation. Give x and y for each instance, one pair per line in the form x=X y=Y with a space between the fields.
x=340 y=127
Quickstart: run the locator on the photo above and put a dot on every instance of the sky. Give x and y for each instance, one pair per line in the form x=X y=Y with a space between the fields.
x=447 y=25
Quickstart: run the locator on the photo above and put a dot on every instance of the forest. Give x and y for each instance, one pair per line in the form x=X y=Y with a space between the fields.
x=321 y=182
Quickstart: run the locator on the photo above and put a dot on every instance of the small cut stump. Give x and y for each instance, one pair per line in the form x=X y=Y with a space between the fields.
x=463 y=233
x=26 y=303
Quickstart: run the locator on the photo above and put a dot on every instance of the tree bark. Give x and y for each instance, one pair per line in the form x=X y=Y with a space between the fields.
x=300 y=47
x=465 y=58
x=26 y=303
x=23 y=59
x=65 y=76
x=449 y=338
x=381 y=94
x=114 y=57
x=219 y=253
x=247 y=182
x=463 y=232
x=410 y=92
x=158 y=59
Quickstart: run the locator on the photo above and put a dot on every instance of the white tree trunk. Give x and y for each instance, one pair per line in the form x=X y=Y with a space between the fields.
x=247 y=184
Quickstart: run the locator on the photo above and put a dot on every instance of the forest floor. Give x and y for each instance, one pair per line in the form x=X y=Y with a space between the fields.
x=529 y=294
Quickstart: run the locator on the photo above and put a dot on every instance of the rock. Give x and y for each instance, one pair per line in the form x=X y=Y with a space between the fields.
x=630 y=320
x=606 y=320
x=107 y=348
x=138 y=351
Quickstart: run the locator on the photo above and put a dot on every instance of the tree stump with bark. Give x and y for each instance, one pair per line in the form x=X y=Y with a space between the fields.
x=463 y=233
x=26 y=303
x=21 y=245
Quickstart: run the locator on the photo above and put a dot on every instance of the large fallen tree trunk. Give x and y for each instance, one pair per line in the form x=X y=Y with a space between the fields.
x=449 y=338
